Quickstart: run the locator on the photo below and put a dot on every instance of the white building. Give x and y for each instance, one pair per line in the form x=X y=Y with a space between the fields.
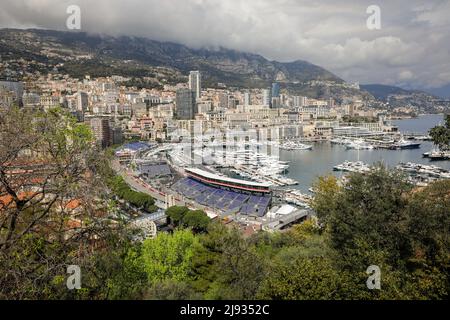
x=266 y=97
x=195 y=83
x=247 y=99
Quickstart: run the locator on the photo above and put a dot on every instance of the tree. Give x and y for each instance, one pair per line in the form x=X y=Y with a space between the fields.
x=123 y=190
x=327 y=189
x=428 y=229
x=227 y=266
x=172 y=290
x=47 y=172
x=169 y=256
x=379 y=219
x=367 y=215
x=53 y=205
x=116 y=273
x=176 y=214
x=441 y=135
x=301 y=279
x=429 y=223
x=197 y=220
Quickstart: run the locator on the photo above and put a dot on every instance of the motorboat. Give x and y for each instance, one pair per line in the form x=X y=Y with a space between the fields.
x=403 y=144
x=292 y=145
x=359 y=145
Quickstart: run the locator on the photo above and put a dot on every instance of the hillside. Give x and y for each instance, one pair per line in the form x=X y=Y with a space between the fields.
x=231 y=67
x=382 y=92
x=148 y=63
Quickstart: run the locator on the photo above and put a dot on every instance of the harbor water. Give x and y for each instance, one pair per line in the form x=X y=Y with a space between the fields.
x=306 y=166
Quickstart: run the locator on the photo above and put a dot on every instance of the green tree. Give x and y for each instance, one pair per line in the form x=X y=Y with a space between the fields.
x=367 y=215
x=301 y=279
x=197 y=220
x=115 y=273
x=123 y=191
x=327 y=190
x=229 y=268
x=176 y=214
x=441 y=135
x=55 y=212
x=169 y=256
x=171 y=290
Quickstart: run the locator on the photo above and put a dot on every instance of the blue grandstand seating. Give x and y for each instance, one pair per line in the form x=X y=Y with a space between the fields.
x=229 y=202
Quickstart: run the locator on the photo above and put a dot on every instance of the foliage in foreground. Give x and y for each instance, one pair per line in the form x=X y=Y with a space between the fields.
x=375 y=219
x=441 y=135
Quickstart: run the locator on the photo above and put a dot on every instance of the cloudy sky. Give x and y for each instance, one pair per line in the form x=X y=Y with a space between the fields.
x=412 y=48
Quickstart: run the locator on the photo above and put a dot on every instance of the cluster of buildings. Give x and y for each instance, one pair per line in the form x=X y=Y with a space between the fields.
x=115 y=112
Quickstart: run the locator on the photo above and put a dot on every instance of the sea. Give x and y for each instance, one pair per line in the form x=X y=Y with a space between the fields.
x=306 y=166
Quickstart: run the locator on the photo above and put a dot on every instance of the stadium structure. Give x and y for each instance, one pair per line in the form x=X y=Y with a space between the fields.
x=228 y=195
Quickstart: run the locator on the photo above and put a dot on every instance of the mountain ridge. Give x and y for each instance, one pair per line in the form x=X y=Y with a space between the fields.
x=151 y=64
x=229 y=64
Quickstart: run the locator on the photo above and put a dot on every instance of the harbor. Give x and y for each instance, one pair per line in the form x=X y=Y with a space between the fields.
x=296 y=164
x=306 y=167
x=420 y=175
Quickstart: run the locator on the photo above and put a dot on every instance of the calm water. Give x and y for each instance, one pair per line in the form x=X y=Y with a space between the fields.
x=306 y=166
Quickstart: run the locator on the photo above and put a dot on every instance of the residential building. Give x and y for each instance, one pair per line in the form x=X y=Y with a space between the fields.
x=186 y=104
x=195 y=83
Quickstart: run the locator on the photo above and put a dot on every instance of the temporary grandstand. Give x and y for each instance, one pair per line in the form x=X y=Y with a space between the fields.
x=154 y=169
x=228 y=183
x=230 y=196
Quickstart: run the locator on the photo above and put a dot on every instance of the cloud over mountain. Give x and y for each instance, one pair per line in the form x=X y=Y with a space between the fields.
x=412 y=49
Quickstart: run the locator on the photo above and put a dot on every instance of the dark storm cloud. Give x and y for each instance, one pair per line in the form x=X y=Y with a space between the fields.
x=412 y=48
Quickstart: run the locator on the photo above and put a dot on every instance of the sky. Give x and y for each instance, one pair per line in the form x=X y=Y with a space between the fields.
x=411 y=49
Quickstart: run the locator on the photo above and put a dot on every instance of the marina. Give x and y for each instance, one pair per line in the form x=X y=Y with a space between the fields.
x=426 y=171
x=293 y=163
x=246 y=164
x=418 y=174
x=321 y=160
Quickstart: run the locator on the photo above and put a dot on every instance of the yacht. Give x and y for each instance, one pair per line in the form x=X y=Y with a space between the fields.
x=403 y=144
x=292 y=145
x=349 y=166
x=439 y=155
x=359 y=145
x=340 y=141
x=428 y=171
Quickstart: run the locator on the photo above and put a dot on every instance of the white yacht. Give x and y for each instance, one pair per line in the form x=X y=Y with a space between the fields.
x=359 y=145
x=349 y=166
x=293 y=145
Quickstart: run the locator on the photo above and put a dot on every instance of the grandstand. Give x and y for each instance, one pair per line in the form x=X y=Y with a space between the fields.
x=228 y=183
x=231 y=196
x=154 y=170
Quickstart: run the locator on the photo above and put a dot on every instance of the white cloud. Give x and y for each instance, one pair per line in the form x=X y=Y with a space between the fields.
x=412 y=48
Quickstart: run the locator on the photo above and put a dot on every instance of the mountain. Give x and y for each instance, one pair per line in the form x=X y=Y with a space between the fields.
x=442 y=92
x=382 y=92
x=395 y=97
x=231 y=67
x=148 y=63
